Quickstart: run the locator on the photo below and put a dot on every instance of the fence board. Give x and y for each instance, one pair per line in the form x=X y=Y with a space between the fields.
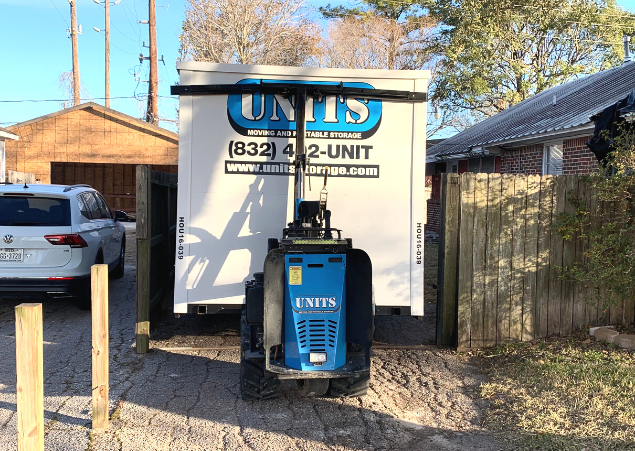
x=555 y=254
x=478 y=262
x=579 y=305
x=505 y=259
x=603 y=313
x=466 y=228
x=617 y=310
x=519 y=205
x=629 y=310
x=629 y=302
x=491 y=259
x=591 y=293
x=568 y=256
x=531 y=256
x=542 y=263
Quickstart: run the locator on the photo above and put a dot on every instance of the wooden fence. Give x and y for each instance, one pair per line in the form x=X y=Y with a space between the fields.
x=499 y=255
x=156 y=245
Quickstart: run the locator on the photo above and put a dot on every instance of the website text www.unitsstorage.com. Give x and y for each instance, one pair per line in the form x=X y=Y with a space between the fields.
x=271 y=168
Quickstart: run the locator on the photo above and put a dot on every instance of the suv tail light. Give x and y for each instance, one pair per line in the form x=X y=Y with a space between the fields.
x=73 y=240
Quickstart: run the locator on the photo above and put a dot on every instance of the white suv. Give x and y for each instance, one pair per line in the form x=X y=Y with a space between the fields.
x=50 y=236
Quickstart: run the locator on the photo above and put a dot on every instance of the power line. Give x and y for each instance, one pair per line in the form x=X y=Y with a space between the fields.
x=124 y=34
x=58 y=12
x=125 y=51
x=66 y=100
x=125 y=6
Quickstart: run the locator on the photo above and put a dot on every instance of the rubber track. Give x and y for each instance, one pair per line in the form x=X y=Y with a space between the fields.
x=349 y=387
x=255 y=384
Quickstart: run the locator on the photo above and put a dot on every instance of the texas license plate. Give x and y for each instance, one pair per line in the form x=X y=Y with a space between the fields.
x=11 y=255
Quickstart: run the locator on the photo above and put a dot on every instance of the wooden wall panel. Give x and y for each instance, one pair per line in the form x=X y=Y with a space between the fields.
x=117 y=182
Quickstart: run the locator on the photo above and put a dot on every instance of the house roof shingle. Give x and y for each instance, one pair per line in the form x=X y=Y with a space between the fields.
x=560 y=109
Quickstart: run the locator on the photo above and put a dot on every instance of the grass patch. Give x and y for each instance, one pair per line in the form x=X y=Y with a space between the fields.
x=571 y=393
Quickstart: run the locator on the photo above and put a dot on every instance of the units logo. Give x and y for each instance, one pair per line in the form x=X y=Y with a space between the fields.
x=275 y=115
x=316 y=304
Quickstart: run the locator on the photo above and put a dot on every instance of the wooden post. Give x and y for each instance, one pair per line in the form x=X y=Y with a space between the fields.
x=142 y=328
x=465 y=260
x=30 y=377
x=448 y=255
x=99 y=307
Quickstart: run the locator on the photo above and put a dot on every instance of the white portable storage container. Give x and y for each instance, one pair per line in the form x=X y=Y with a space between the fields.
x=236 y=182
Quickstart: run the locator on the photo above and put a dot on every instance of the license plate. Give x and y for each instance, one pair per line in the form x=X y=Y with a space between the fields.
x=11 y=255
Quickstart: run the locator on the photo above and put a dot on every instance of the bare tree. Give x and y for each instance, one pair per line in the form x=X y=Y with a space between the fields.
x=65 y=85
x=248 y=32
x=372 y=41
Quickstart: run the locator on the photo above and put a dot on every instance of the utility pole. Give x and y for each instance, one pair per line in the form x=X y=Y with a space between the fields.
x=152 y=115
x=76 y=97
x=107 y=36
x=107 y=6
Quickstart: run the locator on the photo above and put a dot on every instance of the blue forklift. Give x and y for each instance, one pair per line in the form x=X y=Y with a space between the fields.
x=309 y=315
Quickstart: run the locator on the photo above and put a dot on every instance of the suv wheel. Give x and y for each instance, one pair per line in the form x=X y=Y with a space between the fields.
x=84 y=301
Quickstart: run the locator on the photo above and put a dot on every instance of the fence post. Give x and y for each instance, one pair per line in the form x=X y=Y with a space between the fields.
x=99 y=308
x=30 y=377
x=144 y=238
x=448 y=255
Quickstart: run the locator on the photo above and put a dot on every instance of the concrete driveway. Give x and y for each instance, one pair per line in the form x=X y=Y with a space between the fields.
x=180 y=400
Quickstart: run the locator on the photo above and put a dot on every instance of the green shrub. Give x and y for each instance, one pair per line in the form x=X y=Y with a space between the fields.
x=609 y=258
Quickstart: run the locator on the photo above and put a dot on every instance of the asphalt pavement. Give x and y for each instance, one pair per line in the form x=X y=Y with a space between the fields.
x=190 y=400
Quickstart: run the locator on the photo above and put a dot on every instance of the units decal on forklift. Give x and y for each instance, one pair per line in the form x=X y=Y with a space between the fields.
x=316 y=304
x=274 y=115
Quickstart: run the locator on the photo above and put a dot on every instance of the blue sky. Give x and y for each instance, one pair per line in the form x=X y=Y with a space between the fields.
x=35 y=49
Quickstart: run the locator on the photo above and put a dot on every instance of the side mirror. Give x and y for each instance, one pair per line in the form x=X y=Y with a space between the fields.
x=121 y=216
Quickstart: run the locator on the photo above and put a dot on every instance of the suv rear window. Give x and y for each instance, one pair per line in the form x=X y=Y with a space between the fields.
x=34 y=211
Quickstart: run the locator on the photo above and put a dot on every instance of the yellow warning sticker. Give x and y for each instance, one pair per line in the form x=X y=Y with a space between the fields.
x=295 y=275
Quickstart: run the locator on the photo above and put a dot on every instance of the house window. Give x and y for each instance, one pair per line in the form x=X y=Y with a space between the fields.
x=552 y=159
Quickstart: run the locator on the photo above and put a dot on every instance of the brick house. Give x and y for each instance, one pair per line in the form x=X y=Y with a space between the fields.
x=545 y=134
x=91 y=144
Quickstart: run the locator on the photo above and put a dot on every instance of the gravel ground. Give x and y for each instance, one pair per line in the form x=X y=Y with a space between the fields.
x=419 y=400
